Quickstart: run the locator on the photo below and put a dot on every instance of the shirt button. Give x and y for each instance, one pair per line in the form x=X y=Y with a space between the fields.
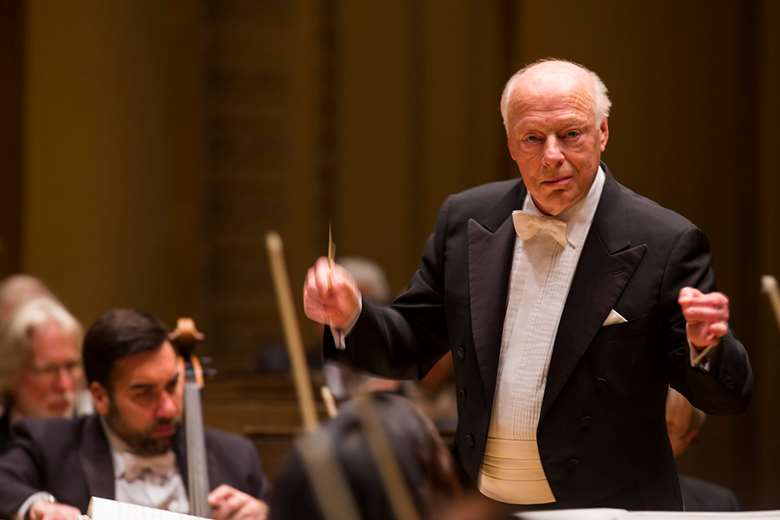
x=585 y=422
x=601 y=383
x=460 y=352
x=461 y=394
x=572 y=463
x=470 y=440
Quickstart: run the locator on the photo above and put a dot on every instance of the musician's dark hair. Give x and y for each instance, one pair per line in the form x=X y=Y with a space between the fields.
x=423 y=460
x=117 y=334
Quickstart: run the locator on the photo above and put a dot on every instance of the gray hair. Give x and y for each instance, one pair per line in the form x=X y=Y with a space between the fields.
x=370 y=278
x=598 y=90
x=18 y=289
x=16 y=335
x=676 y=401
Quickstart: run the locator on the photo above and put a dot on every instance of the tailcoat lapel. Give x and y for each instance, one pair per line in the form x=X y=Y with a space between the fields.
x=607 y=262
x=96 y=460
x=490 y=248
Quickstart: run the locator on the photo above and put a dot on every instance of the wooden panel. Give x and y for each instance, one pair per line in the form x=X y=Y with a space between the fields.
x=375 y=124
x=264 y=409
x=463 y=140
x=419 y=84
x=11 y=57
x=766 y=197
x=112 y=154
x=262 y=135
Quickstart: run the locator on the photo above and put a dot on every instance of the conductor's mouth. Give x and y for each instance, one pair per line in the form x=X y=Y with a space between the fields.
x=557 y=181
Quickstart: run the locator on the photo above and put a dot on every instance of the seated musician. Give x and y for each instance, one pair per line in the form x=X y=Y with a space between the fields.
x=683 y=424
x=40 y=376
x=341 y=450
x=18 y=289
x=132 y=449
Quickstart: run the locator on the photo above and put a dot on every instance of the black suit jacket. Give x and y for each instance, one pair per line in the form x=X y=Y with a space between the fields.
x=700 y=495
x=71 y=459
x=5 y=432
x=602 y=432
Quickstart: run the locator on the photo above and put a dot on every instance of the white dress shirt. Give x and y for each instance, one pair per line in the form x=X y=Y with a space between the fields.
x=542 y=272
x=147 y=481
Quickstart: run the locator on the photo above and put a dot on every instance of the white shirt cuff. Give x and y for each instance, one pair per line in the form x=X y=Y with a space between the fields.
x=340 y=335
x=694 y=352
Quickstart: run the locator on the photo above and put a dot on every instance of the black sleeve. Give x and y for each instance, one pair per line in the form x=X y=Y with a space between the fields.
x=20 y=470
x=259 y=484
x=725 y=386
x=404 y=340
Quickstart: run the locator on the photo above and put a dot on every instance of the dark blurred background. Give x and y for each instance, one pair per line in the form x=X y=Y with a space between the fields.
x=146 y=147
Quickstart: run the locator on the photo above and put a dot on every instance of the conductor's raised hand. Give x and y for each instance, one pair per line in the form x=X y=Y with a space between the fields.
x=330 y=294
x=706 y=316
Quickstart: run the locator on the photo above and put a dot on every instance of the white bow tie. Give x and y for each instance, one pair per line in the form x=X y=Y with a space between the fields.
x=135 y=466
x=528 y=225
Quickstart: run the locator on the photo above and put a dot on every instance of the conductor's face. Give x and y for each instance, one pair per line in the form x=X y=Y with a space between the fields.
x=553 y=135
x=144 y=405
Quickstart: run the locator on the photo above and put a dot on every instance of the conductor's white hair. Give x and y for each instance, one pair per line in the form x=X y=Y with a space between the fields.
x=598 y=90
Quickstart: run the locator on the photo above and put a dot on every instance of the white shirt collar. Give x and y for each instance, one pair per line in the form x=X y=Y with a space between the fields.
x=120 y=450
x=579 y=216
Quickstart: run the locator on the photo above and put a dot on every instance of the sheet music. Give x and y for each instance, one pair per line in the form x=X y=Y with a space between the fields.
x=104 y=509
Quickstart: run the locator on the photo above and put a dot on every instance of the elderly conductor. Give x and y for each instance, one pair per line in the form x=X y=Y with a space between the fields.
x=569 y=303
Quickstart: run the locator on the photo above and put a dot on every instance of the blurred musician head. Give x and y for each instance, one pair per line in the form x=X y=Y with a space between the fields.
x=423 y=460
x=18 y=289
x=41 y=374
x=133 y=375
x=683 y=422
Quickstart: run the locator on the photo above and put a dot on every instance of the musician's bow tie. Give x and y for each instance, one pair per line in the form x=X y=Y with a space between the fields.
x=136 y=466
x=528 y=225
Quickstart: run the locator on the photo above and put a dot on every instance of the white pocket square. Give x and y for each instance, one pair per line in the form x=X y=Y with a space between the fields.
x=614 y=318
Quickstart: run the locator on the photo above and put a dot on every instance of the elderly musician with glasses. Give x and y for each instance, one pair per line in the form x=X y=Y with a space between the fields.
x=41 y=373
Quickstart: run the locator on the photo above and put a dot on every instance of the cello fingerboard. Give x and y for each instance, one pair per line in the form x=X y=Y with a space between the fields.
x=197 y=474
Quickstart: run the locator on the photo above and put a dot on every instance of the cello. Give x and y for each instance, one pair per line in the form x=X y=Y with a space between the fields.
x=185 y=338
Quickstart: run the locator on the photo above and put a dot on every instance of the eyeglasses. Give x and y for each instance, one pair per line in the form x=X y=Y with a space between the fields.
x=52 y=370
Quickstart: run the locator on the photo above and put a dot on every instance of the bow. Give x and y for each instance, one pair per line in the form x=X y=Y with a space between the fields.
x=528 y=225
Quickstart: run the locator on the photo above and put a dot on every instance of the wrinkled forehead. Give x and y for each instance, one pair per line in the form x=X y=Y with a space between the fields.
x=551 y=111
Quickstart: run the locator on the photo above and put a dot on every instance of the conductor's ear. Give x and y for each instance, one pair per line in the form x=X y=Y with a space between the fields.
x=603 y=134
